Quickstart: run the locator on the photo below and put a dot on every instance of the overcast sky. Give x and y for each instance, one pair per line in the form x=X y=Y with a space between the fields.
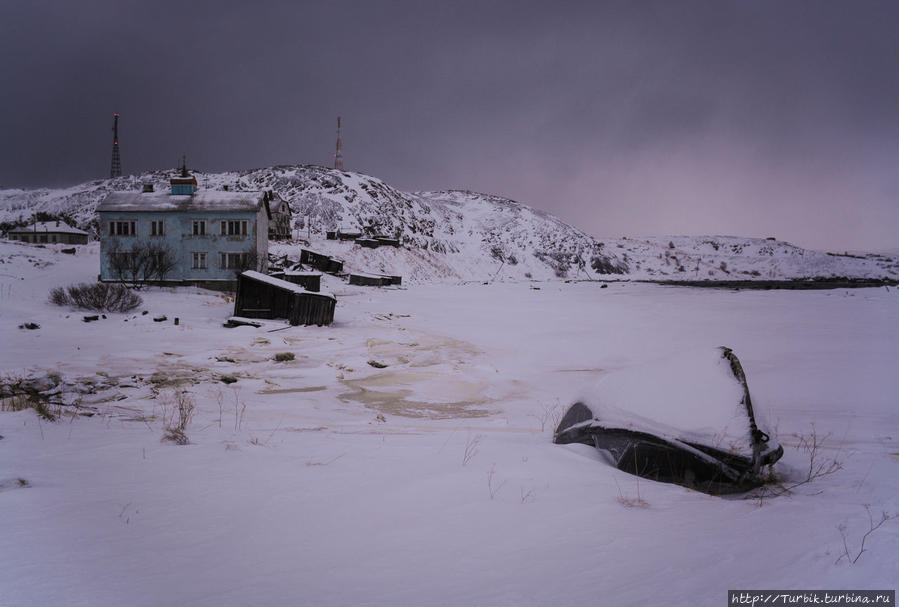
x=750 y=118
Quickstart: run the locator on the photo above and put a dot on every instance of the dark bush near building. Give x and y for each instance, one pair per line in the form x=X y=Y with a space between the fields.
x=99 y=296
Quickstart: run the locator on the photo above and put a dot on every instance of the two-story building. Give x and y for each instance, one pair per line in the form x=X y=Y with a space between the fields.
x=279 y=226
x=211 y=235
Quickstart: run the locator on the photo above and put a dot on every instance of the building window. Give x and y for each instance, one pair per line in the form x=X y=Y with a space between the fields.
x=122 y=228
x=157 y=228
x=236 y=227
x=235 y=261
x=199 y=261
x=199 y=227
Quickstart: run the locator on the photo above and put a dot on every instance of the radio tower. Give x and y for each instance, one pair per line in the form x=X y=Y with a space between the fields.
x=338 y=157
x=116 y=170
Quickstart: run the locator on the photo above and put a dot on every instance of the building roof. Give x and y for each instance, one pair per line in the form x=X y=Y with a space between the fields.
x=204 y=200
x=278 y=204
x=49 y=227
x=283 y=284
x=301 y=273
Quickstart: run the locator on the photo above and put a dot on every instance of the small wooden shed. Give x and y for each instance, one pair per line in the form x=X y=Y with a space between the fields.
x=262 y=296
x=348 y=233
x=364 y=279
x=368 y=243
x=368 y=280
x=311 y=281
x=320 y=261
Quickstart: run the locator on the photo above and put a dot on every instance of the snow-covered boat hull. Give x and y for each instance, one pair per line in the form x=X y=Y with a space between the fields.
x=638 y=445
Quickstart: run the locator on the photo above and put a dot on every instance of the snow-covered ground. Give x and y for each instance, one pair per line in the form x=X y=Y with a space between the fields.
x=433 y=480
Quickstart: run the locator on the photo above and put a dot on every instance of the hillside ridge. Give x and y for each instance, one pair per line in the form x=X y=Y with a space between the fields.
x=463 y=235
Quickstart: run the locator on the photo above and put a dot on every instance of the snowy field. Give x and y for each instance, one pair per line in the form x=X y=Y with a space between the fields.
x=433 y=480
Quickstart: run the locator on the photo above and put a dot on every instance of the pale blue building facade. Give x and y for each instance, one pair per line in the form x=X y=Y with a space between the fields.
x=212 y=235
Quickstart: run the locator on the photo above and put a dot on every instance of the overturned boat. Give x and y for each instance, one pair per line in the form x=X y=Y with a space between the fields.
x=688 y=421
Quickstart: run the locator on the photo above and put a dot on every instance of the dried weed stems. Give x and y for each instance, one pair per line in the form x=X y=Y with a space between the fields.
x=177 y=412
x=872 y=527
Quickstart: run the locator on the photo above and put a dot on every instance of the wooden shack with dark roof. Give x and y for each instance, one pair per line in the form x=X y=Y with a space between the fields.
x=365 y=279
x=262 y=296
x=311 y=281
x=320 y=261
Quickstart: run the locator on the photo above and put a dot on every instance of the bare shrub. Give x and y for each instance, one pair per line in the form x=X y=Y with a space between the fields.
x=471 y=448
x=20 y=402
x=177 y=418
x=548 y=413
x=240 y=409
x=528 y=496
x=160 y=261
x=220 y=401
x=143 y=262
x=254 y=440
x=819 y=466
x=100 y=297
x=872 y=527
x=492 y=487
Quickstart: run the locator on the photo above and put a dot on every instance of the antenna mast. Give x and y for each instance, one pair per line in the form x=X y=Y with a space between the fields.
x=116 y=170
x=338 y=157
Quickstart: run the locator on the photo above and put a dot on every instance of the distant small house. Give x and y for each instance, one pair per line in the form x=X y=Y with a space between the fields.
x=348 y=232
x=377 y=241
x=262 y=296
x=279 y=227
x=211 y=235
x=49 y=232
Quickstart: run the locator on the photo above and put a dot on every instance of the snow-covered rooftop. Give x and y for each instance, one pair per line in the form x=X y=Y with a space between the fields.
x=301 y=273
x=49 y=227
x=205 y=200
x=283 y=284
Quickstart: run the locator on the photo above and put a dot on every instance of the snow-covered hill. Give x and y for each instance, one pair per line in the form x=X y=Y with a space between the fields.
x=461 y=235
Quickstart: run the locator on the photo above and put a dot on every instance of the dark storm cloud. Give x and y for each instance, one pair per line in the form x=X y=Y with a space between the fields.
x=753 y=118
